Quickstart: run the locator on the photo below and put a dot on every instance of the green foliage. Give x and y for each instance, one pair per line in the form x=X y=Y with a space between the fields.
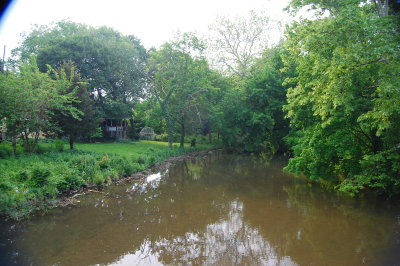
x=39 y=175
x=164 y=137
x=251 y=117
x=113 y=64
x=71 y=181
x=343 y=102
x=104 y=161
x=180 y=79
x=5 y=150
x=85 y=120
x=59 y=145
x=34 y=181
x=28 y=98
x=379 y=172
x=97 y=133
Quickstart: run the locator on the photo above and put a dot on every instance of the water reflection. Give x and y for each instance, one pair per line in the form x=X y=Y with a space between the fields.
x=220 y=209
x=229 y=241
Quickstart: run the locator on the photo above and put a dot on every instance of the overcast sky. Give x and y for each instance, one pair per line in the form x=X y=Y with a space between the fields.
x=152 y=21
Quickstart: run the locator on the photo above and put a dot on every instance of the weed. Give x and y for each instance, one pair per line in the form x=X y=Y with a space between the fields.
x=104 y=161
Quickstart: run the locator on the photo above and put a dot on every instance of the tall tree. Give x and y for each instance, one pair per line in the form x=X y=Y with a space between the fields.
x=178 y=77
x=250 y=117
x=236 y=42
x=87 y=121
x=28 y=99
x=113 y=64
x=343 y=104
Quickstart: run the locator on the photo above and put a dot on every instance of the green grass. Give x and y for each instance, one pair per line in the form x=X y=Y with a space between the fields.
x=33 y=182
x=136 y=149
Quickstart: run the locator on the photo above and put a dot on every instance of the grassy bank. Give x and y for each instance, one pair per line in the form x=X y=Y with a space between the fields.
x=34 y=182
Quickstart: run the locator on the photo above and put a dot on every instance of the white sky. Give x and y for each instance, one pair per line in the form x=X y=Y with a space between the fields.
x=152 y=21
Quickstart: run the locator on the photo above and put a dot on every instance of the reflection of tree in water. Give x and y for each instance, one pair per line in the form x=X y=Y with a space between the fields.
x=333 y=228
x=230 y=210
x=230 y=241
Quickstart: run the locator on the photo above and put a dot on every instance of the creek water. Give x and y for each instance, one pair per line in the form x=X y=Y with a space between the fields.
x=220 y=209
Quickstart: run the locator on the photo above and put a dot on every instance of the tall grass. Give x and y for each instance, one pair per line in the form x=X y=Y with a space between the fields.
x=32 y=182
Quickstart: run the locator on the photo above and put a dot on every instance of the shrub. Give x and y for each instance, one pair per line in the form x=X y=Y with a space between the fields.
x=141 y=160
x=98 y=178
x=152 y=160
x=40 y=175
x=22 y=175
x=5 y=150
x=104 y=161
x=59 y=145
x=70 y=182
x=5 y=186
x=193 y=143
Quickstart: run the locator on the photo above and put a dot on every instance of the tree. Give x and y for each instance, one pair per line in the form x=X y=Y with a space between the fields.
x=28 y=99
x=343 y=105
x=87 y=121
x=250 y=117
x=236 y=42
x=178 y=76
x=112 y=64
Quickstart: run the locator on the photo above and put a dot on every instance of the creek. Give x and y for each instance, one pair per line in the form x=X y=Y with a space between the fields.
x=219 y=209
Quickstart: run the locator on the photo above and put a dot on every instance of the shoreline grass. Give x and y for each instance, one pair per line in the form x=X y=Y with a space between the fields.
x=33 y=182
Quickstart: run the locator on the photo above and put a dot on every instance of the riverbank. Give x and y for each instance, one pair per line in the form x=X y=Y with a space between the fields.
x=71 y=197
x=33 y=183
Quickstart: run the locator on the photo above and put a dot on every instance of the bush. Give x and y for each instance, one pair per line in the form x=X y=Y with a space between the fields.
x=152 y=160
x=141 y=160
x=164 y=137
x=59 y=145
x=5 y=186
x=40 y=175
x=98 y=179
x=22 y=175
x=104 y=161
x=5 y=150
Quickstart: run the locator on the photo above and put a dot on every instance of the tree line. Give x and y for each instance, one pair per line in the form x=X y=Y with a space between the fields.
x=327 y=93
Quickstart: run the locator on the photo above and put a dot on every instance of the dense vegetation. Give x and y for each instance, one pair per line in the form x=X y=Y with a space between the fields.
x=327 y=95
x=344 y=101
x=36 y=181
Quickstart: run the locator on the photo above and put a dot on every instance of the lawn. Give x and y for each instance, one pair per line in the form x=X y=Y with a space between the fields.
x=136 y=149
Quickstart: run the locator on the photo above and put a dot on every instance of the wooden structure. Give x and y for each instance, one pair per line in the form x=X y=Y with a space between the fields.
x=115 y=128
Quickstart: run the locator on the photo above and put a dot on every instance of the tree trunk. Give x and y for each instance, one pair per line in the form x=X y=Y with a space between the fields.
x=182 y=142
x=14 y=145
x=168 y=120
x=209 y=137
x=170 y=132
x=35 y=144
x=27 y=146
x=71 y=142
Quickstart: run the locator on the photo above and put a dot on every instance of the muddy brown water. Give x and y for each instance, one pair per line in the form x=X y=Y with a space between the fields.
x=219 y=209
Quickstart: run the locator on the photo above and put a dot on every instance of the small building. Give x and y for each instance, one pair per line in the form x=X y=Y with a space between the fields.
x=147 y=133
x=116 y=128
